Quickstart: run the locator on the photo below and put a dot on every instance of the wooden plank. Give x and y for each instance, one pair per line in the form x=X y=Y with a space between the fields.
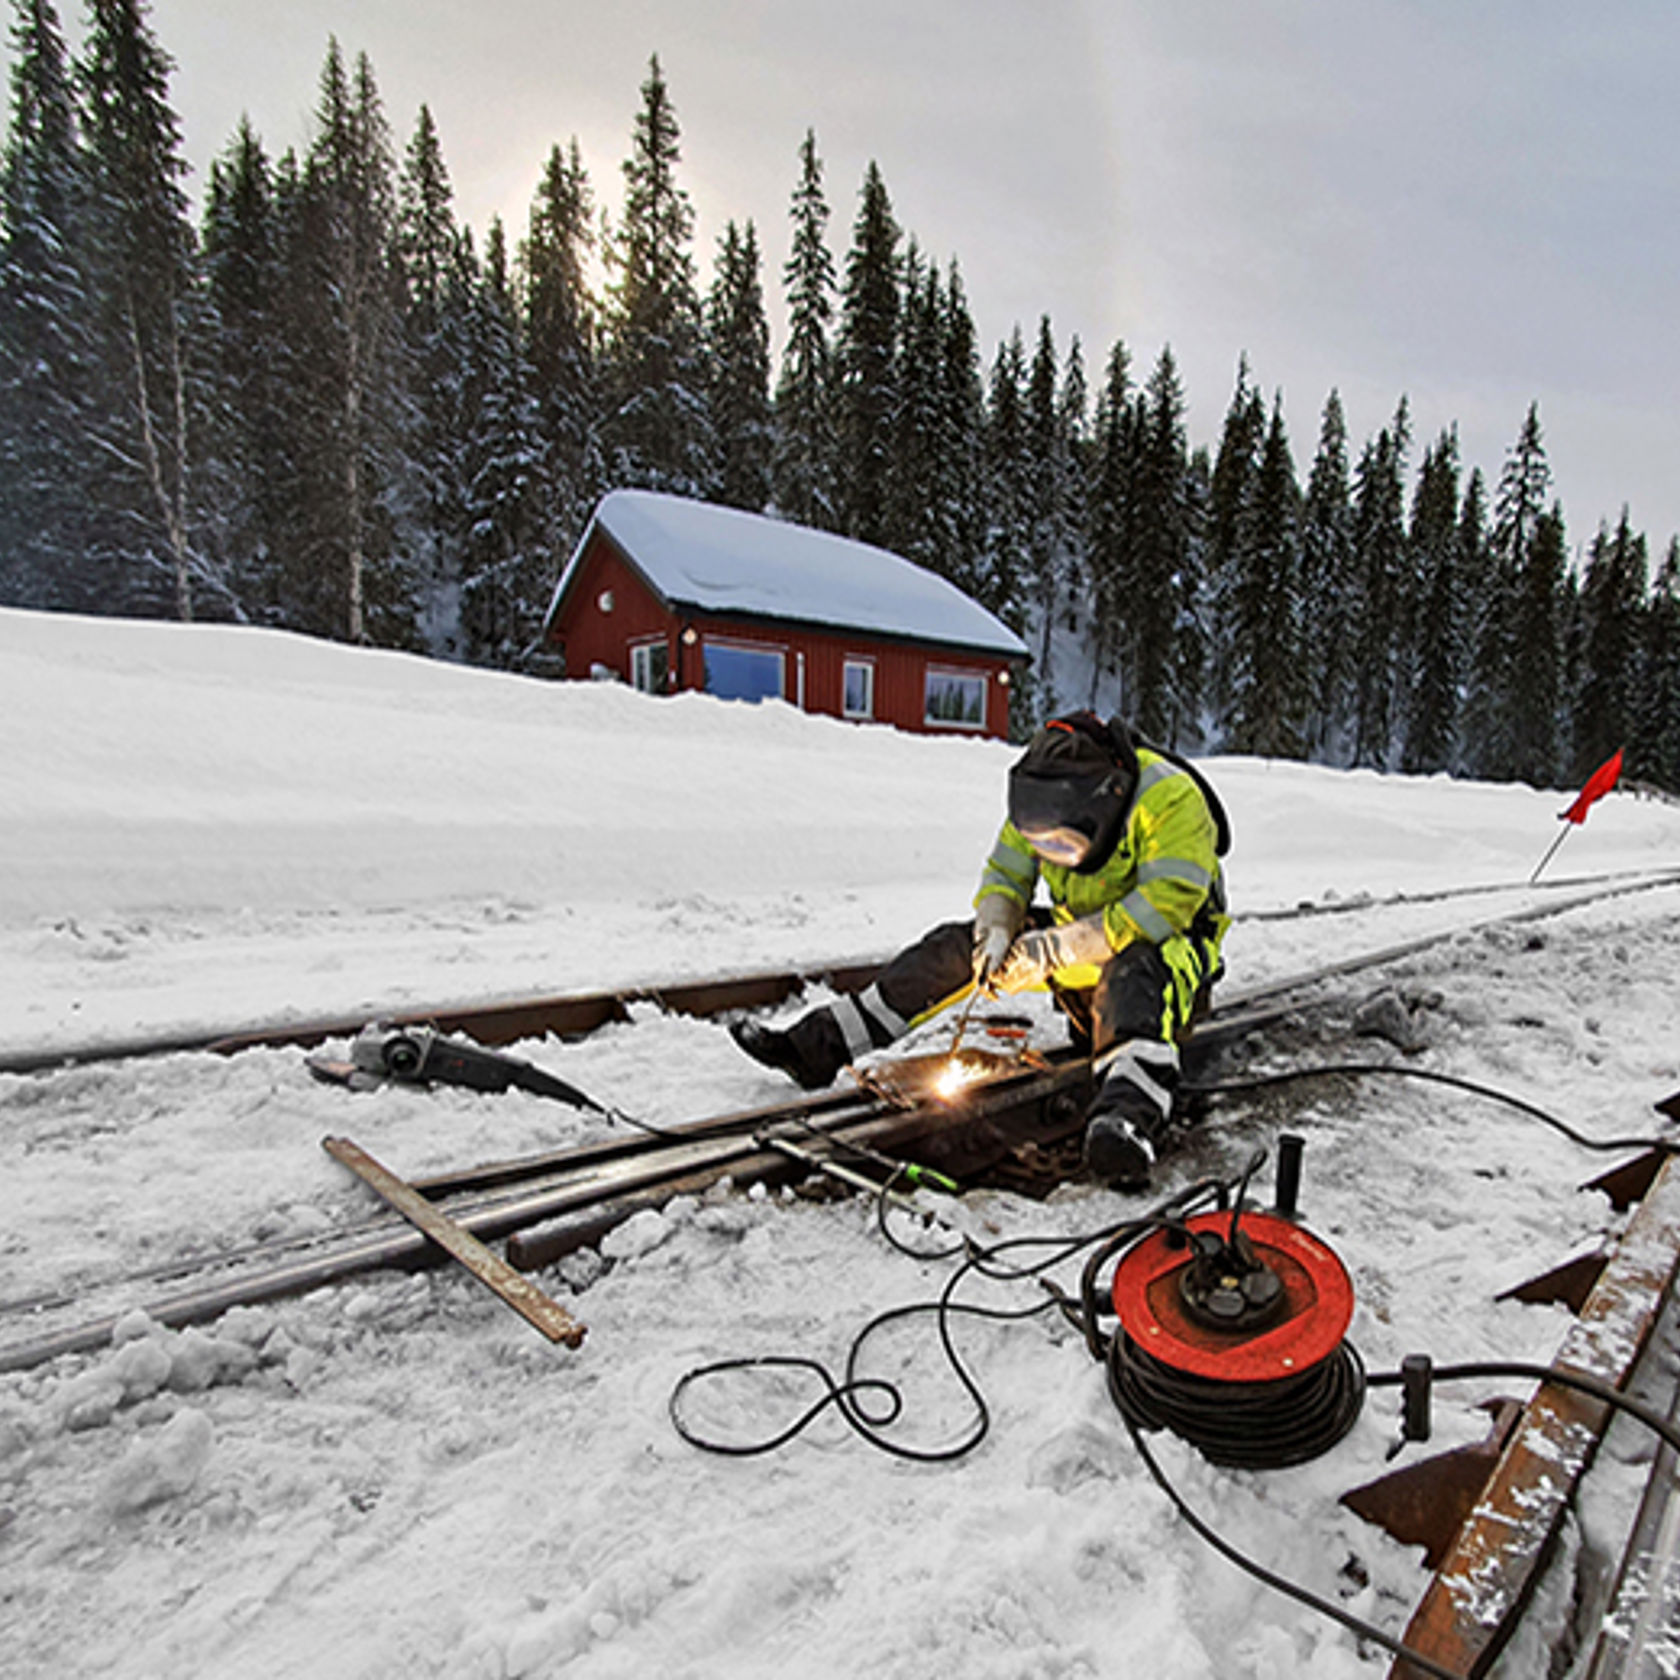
x=490 y=1269
x=1489 y=1573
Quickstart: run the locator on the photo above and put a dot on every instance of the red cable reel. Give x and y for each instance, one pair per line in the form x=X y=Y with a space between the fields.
x=1255 y=1300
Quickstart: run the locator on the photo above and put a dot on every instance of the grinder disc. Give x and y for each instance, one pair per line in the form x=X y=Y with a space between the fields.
x=1317 y=1304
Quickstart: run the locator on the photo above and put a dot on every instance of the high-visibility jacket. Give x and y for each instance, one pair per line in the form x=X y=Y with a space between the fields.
x=1162 y=876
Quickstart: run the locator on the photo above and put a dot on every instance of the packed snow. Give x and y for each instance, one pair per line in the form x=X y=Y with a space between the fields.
x=206 y=828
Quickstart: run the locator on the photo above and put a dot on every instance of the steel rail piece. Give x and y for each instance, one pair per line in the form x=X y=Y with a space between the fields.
x=494 y=1022
x=1489 y=1515
x=579 y=1194
x=502 y=1021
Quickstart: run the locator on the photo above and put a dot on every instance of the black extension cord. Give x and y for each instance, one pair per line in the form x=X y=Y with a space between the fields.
x=1295 y=1421
x=1241 y=1425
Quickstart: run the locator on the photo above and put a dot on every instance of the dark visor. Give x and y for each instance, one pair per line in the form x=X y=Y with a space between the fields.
x=1059 y=816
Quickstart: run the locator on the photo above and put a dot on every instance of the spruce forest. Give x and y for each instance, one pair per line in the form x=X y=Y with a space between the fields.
x=323 y=406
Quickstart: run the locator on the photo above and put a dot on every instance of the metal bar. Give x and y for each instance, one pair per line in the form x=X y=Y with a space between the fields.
x=514 y=1020
x=1636 y=1626
x=497 y=1022
x=828 y=1105
x=972 y=1131
x=508 y=1021
x=517 y=1290
x=1476 y=1597
x=949 y=1137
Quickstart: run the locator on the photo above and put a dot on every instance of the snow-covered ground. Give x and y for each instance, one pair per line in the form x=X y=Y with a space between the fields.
x=204 y=828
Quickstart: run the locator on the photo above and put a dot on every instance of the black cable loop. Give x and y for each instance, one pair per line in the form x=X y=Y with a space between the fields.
x=1581 y=1381
x=994 y=1262
x=1243 y=1426
x=835 y=1394
x=1356 y=1625
x=1265 y=1081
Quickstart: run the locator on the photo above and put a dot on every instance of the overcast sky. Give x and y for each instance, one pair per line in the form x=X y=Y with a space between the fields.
x=1474 y=204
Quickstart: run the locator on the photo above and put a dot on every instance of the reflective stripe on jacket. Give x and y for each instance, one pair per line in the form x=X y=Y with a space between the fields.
x=1158 y=878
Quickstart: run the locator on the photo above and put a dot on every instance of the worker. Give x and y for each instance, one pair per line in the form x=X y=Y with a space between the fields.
x=1127 y=839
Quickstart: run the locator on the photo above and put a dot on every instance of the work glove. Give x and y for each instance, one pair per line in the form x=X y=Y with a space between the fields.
x=997 y=920
x=1034 y=957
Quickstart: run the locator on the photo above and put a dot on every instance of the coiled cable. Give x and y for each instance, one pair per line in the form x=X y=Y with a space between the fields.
x=1242 y=1425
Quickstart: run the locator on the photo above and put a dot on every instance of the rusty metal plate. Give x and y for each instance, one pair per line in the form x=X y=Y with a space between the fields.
x=1492 y=1567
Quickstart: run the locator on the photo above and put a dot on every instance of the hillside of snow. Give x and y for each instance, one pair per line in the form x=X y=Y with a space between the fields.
x=205 y=828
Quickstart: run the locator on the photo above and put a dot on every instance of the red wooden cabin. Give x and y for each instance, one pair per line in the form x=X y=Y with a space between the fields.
x=669 y=594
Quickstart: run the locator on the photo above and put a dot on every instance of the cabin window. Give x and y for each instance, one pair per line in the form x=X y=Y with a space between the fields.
x=857 y=693
x=955 y=700
x=734 y=672
x=650 y=666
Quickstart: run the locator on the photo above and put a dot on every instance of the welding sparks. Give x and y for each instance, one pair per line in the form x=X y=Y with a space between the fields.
x=957 y=1075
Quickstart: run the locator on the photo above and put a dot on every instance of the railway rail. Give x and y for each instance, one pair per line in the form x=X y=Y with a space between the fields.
x=1502 y=1515
x=503 y=1021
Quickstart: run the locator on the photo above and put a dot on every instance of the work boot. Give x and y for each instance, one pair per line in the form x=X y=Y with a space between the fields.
x=811 y=1052
x=1129 y=1114
x=1117 y=1152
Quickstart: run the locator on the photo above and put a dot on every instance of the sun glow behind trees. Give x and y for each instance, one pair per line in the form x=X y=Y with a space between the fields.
x=328 y=407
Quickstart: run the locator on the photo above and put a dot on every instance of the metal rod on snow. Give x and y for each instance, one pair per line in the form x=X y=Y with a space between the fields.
x=1551 y=852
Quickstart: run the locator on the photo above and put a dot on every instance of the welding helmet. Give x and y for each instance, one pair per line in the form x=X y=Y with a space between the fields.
x=1070 y=791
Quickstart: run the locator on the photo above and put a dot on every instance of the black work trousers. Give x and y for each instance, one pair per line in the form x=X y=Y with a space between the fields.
x=1136 y=995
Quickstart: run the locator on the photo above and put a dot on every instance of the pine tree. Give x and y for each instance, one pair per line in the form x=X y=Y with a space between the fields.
x=1328 y=587
x=351 y=402
x=1164 y=606
x=1492 y=708
x=1191 y=653
x=436 y=271
x=1654 y=748
x=956 y=500
x=508 y=559
x=1613 y=614
x=738 y=357
x=1379 y=543
x=1073 y=506
x=143 y=296
x=1006 y=474
x=427 y=239
x=657 y=432
x=1111 y=471
x=867 y=357
x=1054 y=440
x=1474 y=562
x=250 y=375
x=45 y=311
x=1267 y=700
x=1536 y=696
x=1431 y=688
x=561 y=344
x=913 y=459
x=1229 y=530
x=806 y=469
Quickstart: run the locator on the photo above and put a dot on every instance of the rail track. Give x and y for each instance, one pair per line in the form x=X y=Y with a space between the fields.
x=1497 y=1535
x=502 y=1021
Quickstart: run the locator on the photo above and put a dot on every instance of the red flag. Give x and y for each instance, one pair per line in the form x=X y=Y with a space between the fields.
x=1599 y=783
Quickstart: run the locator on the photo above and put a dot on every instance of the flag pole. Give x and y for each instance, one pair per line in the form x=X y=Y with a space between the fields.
x=1551 y=853
x=1599 y=783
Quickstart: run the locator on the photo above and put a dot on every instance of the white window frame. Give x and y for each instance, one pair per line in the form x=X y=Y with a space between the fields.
x=641 y=665
x=724 y=644
x=856 y=662
x=953 y=674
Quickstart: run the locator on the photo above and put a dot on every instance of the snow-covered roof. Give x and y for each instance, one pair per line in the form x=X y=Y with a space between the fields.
x=719 y=560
